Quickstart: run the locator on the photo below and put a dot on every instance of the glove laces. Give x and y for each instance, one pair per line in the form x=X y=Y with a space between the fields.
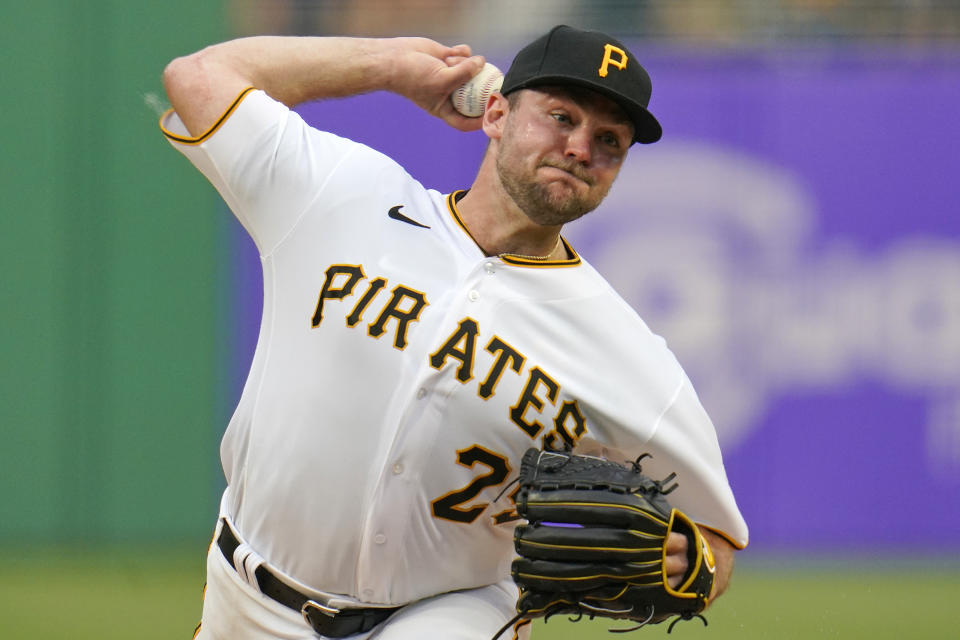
x=592 y=611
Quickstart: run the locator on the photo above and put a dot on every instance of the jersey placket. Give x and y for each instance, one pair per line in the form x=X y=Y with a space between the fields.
x=420 y=419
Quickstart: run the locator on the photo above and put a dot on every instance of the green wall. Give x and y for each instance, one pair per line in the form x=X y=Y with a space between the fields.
x=111 y=408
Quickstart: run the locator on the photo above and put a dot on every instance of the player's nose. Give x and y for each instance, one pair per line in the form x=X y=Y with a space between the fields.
x=579 y=146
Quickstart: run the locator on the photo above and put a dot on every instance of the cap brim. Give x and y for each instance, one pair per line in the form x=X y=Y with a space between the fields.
x=646 y=127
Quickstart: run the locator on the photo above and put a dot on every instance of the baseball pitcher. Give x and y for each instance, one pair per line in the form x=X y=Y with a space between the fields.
x=452 y=424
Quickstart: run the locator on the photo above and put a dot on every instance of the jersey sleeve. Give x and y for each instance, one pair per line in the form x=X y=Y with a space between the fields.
x=686 y=436
x=684 y=441
x=264 y=160
x=648 y=405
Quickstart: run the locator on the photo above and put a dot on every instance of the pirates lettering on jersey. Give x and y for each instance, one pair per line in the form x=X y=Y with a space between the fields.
x=404 y=306
x=535 y=407
x=402 y=296
x=569 y=425
x=338 y=284
x=530 y=398
x=461 y=346
x=505 y=355
x=372 y=290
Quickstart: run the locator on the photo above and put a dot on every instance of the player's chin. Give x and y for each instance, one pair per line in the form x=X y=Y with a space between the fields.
x=565 y=191
x=575 y=197
x=553 y=212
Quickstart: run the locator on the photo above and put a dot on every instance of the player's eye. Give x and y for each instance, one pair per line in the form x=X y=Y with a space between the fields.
x=560 y=117
x=610 y=139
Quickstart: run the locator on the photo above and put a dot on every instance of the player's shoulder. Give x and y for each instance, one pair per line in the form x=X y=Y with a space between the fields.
x=608 y=303
x=605 y=293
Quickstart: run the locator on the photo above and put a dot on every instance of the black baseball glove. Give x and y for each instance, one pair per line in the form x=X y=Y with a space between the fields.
x=595 y=543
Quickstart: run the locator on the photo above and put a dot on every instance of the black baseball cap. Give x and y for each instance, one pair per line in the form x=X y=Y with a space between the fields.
x=569 y=56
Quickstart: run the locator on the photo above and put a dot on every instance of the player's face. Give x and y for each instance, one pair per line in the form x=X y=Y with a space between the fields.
x=560 y=151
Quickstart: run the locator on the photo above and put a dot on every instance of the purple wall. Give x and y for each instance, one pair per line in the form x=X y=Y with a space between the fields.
x=795 y=236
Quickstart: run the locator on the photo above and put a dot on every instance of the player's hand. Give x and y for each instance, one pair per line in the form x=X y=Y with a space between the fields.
x=676 y=563
x=427 y=72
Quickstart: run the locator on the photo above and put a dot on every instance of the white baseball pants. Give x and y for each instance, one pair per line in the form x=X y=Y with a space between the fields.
x=236 y=610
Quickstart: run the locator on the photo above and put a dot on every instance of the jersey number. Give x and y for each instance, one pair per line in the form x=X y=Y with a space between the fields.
x=451 y=506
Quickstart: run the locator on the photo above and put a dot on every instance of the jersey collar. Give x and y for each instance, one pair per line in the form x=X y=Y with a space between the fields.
x=573 y=261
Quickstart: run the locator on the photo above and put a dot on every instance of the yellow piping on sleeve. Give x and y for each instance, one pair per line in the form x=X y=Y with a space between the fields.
x=209 y=132
x=729 y=538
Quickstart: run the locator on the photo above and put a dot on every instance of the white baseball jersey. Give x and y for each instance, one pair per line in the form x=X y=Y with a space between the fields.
x=400 y=373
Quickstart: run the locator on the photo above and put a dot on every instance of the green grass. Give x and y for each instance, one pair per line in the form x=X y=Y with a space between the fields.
x=76 y=595
x=98 y=594
x=793 y=603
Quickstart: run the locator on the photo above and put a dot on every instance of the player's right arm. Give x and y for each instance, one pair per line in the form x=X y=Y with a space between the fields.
x=292 y=70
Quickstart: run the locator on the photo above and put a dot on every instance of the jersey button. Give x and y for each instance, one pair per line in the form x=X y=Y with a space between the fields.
x=474 y=295
x=398 y=468
x=489 y=268
x=380 y=538
x=421 y=393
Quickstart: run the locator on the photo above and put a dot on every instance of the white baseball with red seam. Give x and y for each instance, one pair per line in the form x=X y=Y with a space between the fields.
x=471 y=98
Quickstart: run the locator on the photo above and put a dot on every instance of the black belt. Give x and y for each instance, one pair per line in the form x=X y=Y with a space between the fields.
x=326 y=621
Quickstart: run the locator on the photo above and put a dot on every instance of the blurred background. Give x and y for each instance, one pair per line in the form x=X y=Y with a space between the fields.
x=795 y=236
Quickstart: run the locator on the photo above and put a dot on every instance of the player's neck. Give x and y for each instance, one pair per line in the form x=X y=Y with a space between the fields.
x=499 y=227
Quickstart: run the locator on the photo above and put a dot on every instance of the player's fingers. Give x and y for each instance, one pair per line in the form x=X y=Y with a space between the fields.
x=454 y=60
x=675 y=563
x=463 y=69
x=445 y=81
x=434 y=90
x=460 y=51
x=677 y=543
x=676 y=567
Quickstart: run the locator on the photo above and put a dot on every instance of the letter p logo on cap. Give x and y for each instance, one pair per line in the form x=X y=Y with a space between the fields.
x=619 y=63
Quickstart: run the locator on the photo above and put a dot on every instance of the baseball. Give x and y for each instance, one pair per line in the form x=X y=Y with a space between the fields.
x=471 y=98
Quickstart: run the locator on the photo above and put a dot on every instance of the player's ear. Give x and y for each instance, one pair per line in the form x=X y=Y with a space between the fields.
x=495 y=114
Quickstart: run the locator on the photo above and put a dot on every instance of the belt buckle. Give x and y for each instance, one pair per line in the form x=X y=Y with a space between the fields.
x=326 y=610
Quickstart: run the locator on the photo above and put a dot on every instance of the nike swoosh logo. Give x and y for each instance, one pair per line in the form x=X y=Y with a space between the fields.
x=396 y=215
